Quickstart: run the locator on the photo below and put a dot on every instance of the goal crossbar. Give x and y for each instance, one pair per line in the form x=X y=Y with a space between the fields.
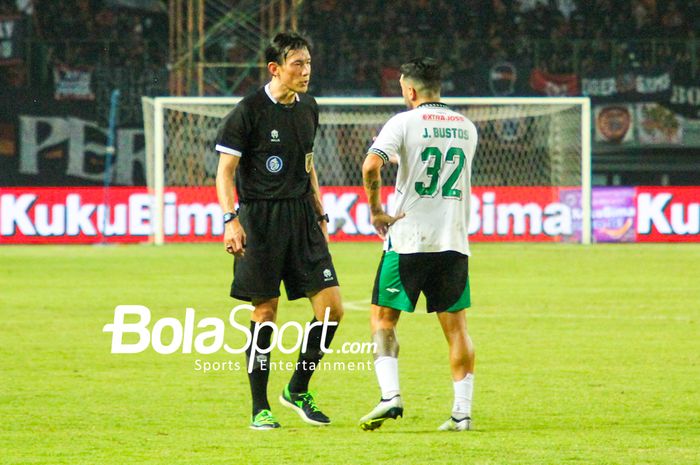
x=154 y=108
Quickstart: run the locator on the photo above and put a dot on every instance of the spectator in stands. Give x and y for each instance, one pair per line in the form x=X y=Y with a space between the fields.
x=673 y=20
x=8 y=7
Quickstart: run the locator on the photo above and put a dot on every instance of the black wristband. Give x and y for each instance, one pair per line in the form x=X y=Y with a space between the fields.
x=323 y=217
x=229 y=216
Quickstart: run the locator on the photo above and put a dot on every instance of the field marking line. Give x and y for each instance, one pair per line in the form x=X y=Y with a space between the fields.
x=571 y=316
x=363 y=305
x=357 y=305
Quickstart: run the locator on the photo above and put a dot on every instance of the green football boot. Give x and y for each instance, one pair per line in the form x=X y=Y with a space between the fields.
x=264 y=420
x=305 y=405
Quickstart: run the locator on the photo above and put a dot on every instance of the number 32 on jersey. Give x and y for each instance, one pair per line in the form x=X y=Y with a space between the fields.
x=433 y=158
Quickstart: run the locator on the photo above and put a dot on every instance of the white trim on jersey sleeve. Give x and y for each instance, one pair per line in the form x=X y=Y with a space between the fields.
x=390 y=139
x=379 y=153
x=228 y=151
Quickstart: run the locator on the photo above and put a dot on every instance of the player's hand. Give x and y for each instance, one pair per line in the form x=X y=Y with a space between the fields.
x=382 y=221
x=324 y=229
x=234 y=238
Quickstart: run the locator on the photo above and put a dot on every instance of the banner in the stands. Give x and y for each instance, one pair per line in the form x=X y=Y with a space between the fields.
x=633 y=126
x=685 y=95
x=631 y=85
x=554 y=85
x=11 y=39
x=657 y=125
x=73 y=82
x=614 y=124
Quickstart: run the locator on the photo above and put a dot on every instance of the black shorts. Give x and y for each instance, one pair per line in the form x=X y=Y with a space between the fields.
x=283 y=243
x=442 y=276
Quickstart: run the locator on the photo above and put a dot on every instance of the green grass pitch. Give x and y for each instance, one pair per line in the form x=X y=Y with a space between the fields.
x=585 y=355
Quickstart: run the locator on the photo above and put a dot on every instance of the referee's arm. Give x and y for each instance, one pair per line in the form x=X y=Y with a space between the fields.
x=318 y=204
x=234 y=235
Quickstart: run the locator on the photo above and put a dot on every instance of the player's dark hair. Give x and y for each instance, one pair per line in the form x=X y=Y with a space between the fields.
x=425 y=71
x=284 y=42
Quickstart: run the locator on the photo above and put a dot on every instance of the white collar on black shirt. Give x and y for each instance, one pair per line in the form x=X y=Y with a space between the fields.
x=269 y=94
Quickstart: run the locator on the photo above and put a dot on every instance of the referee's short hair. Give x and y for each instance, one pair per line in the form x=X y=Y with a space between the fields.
x=284 y=42
x=425 y=72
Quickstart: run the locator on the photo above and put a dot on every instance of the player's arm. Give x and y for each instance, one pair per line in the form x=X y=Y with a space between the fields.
x=234 y=235
x=372 y=181
x=318 y=203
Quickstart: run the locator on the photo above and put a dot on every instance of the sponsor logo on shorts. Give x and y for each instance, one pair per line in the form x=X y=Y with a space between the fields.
x=274 y=136
x=274 y=164
x=393 y=290
x=327 y=274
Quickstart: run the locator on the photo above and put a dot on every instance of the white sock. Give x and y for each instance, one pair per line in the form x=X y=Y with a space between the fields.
x=387 y=369
x=464 y=389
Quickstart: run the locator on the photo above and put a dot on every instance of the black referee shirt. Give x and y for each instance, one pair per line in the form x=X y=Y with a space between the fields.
x=275 y=143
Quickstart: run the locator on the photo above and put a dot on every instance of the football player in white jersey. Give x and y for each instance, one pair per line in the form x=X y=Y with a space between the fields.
x=426 y=248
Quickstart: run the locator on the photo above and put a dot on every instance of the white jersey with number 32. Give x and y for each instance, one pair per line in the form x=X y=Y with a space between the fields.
x=435 y=147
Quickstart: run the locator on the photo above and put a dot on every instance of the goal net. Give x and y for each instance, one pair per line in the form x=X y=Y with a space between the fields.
x=531 y=151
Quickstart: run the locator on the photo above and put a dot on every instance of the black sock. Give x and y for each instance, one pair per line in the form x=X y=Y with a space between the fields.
x=313 y=355
x=259 y=375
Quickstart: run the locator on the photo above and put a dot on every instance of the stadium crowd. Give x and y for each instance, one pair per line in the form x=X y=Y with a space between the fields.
x=131 y=36
x=353 y=47
x=85 y=33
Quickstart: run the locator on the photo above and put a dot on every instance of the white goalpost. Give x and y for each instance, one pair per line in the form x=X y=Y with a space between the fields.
x=523 y=142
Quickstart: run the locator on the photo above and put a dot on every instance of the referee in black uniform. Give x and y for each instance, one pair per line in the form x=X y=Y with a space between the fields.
x=280 y=232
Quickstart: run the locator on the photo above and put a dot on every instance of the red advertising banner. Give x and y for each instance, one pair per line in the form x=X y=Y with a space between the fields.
x=541 y=214
x=527 y=214
x=668 y=214
x=72 y=216
x=56 y=215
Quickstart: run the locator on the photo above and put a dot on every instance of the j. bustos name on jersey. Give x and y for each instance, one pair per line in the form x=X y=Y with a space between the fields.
x=446 y=133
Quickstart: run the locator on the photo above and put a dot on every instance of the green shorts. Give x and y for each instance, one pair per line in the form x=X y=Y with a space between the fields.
x=443 y=277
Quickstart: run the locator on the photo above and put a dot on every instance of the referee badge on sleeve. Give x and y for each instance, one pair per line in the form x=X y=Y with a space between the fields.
x=309 y=161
